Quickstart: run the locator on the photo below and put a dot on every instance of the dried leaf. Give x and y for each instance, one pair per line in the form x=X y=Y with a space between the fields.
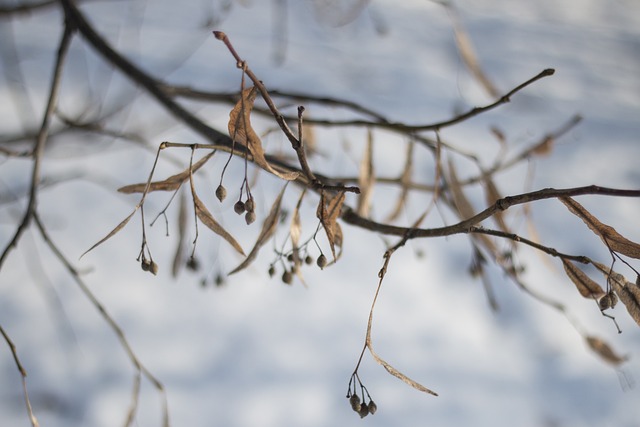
x=182 y=228
x=628 y=292
x=207 y=219
x=366 y=179
x=603 y=350
x=268 y=228
x=586 y=286
x=405 y=181
x=393 y=371
x=492 y=195
x=111 y=233
x=462 y=204
x=609 y=235
x=242 y=133
x=294 y=231
x=170 y=184
x=328 y=215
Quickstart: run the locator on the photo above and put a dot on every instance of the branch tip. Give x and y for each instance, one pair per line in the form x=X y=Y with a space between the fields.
x=220 y=35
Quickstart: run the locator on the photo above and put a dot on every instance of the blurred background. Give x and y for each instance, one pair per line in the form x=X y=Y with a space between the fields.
x=248 y=349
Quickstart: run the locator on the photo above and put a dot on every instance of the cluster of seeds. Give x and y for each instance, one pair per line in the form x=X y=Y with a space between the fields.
x=247 y=207
x=291 y=266
x=362 y=407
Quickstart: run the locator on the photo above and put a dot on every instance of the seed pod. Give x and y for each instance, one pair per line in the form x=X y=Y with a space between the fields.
x=193 y=264
x=239 y=207
x=322 y=261
x=364 y=410
x=221 y=192
x=308 y=259
x=146 y=264
x=249 y=204
x=354 y=401
x=608 y=301
x=250 y=217
x=287 y=277
x=372 y=407
x=153 y=268
x=272 y=271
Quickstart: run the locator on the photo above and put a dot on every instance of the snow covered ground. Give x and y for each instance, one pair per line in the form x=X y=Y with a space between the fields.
x=258 y=353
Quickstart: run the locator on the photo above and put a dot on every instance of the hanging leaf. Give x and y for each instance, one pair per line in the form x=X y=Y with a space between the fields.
x=492 y=195
x=294 y=231
x=170 y=184
x=111 y=233
x=242 y=133
x=586 y=286
x=328 y=214
x=628 y=292
x=603 y=350
x=393 y=371
x=366 y=178
x=405 y=181
x=182 y=228
x=611 y=238
x=207 y=219
x=268 y=229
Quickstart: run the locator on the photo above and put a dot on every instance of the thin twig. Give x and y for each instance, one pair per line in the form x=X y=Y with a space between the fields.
x=23 y=375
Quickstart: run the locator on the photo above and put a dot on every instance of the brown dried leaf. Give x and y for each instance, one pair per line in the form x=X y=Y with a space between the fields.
x=586 y=286
x=603 y=350
x=294 y=231
x=366 y=179
x=462 y=204
x=170 y=184
x=405 y=180
x=207 y=219
x=268 y=228
x=242 y=133
x=182 y=228
x=111 y=233
x=492 y=195
x=609 y=235
x=328 y=214
x=628 y=292
x=393 y=371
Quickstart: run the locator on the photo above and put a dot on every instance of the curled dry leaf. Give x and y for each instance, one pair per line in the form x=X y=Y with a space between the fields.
x=602 y=349
x=207 y=219
x=628 y=292
x=111 y=233
x=405 y=181
x=586 y=286
x=242 y=133
x=170 y=184
x=608 y=234
x=366 y=179
x=393 y=371
x=328 y=214
x=268 y=228
x=182 y=228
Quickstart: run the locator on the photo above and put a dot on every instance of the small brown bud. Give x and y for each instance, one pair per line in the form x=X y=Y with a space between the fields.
x=372 y=407
x=308 y=259
x=153 y=268
x=221 y=192
x=322 y=261
x=608 y=301
x=354 y=401
x=364 y=410
x=287 y=277
x=193 y=264
x=239 y=207
x=250 y=204
x=250 y=217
